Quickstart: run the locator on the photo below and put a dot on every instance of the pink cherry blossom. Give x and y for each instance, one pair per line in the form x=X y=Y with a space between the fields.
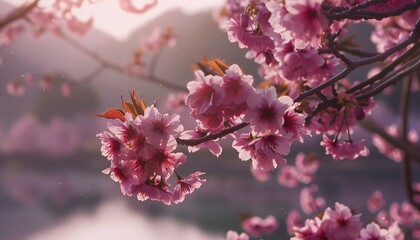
x=111 y=146
x=311 y=229
x=25 y=135
x=260 y=174
x=237 y=88
x=383 y=218
x=241 y=31
x=293 y=221
x=65 y=89
x=341 y=223
x=395 y=232
x=298 y=64
x=256 y=226
x=135 y=68
x=266 y=111
x=176 y=102
x=309 y=202
x=375 y=201
x=187 y=186
x=15 y=88
x=131 y=6
x=373 y=232
x=46 y=83
x=305 y=20
x=60 y=138
x=288 y=176
x=232 y=235
x=267 y=151
x=347 y=149
x=78 y=26
x=242 y=144
x=205 y=99
x=293 y=123
x=388 y=149
x=159 y=127
x=403 y=213
x=159 y=39
x=10 y=32
x=154 y=192
x=307 y=165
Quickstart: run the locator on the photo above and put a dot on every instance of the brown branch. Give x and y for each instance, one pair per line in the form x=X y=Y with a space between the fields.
x=407 y=175
x=18 y=13
x=391 y=81
x=414 y=38
x=150 y=77
x=359 y=11
x=195 y=142
x=356 y=52
x=408 y=148
x=387 y=69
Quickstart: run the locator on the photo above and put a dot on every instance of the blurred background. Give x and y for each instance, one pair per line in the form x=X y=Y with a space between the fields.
x=51 y=185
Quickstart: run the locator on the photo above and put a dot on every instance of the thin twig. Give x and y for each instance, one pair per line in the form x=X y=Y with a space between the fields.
x=195 y=142
x=151 y=77
x=387 y=69
x=18 y=13
x=400 y=75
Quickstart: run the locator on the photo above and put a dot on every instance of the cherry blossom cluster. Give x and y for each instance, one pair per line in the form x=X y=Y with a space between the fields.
x=254 y=226
x=29 y=135
x=288 y=39
x=57 y=15
x=53 y=16
x=19 y=87
x=342 y=223
x=228 y=99
x=387 y=149
x=140 y=146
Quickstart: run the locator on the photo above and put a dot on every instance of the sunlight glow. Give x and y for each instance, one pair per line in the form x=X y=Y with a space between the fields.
x=109 y=18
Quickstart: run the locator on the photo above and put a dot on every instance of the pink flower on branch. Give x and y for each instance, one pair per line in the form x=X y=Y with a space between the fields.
x=199 y=133
x=232 y=235
x=205 y=99
x=341 y=223
x=187 y=186
x=375 y=201
x=256 y=226
x=309 y=202
x=305 y=21
x=266 y=111
x=373 y=231
x=159 y=127
x=346 y=149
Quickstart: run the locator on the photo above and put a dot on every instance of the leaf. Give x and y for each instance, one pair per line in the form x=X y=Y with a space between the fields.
x=139 y=105
x=213 y=66
x=113 y=113
x=129 y=107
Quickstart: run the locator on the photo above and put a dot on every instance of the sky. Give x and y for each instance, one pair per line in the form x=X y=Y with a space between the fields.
x=109 y=18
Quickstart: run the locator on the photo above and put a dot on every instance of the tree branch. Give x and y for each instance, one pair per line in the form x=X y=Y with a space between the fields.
x=18 y=13
x=409 y=148
x=150 y=77
x=195 y=142
x=408 y=178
